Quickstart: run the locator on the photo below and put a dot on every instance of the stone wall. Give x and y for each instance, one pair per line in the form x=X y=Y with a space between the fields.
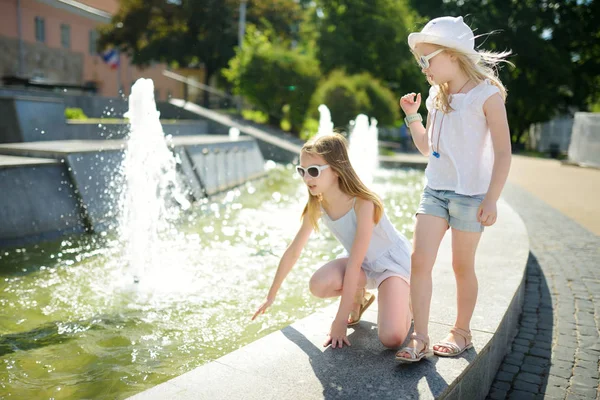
x=56 y=65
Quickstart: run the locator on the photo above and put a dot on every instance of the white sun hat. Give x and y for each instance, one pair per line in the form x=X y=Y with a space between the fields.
x=448 y=32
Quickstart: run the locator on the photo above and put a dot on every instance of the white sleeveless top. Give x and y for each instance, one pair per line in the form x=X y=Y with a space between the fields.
x=388 y=250
x=465 y=145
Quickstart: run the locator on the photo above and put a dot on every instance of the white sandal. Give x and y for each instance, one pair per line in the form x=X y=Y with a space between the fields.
x=414 y=355
x=454 y=348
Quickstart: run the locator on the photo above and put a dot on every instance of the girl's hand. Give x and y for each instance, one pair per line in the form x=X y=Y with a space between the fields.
x=487 y=212
x=337 y=335
x=263 y=307
x=409 y=104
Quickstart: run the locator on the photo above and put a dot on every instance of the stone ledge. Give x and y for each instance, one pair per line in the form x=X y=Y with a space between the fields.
x=291 y=363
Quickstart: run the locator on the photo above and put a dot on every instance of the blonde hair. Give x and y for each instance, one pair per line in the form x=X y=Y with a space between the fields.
x=477 y=71
x=334 y=149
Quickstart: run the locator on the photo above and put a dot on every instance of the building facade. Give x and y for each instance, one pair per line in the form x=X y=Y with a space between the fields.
x=55 y=41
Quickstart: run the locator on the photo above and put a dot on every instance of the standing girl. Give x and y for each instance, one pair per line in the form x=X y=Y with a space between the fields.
x=378 y=256
x=468 y=143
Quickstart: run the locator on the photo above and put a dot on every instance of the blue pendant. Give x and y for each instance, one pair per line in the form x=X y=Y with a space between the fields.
x=436 y=154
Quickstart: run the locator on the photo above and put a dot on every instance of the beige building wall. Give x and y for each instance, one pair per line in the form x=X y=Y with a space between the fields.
x=76 y=64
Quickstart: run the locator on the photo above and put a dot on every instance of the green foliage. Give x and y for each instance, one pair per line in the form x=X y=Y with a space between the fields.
x=368 y=36
x=74 y=113
x=256 y=116
x=190 y=33
x=347 y=96
x=309 y=128
x=271 y=76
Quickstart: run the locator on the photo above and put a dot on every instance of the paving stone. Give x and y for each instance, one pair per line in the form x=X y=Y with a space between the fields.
x=497 y=394
x=529 y=377
x=521 y=395
x=534 y=369
x=561 y=312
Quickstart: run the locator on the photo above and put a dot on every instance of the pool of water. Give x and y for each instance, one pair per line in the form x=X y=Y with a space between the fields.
x=74 y=325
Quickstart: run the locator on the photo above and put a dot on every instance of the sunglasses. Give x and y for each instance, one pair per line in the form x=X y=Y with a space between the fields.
x=313 y=171
x=424 y=60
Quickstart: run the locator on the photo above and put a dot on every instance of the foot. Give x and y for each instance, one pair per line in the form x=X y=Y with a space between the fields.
x=456 y=342
x=412 y=344
x=416 y=350
x=362 y=300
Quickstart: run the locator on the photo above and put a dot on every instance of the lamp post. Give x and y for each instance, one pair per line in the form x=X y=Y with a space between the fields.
x=21 y=68
x=241 y=34
x=242 y=24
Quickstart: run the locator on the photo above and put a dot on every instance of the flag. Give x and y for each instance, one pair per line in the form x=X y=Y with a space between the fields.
x=111 y=57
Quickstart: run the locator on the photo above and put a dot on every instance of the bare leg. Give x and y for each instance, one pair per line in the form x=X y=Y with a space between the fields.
x=429 y=231
x=393 y=320
x=464 y=246
x=328 y=280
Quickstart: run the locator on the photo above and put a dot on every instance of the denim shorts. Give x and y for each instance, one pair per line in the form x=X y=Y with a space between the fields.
x=458 y=209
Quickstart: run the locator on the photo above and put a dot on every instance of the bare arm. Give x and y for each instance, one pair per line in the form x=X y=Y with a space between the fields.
x=364 y=231
x=287 y=262
x=495 y=113
x=418 y=132
x=419 y=135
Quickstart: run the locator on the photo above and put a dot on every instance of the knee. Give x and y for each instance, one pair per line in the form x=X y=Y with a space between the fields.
x=317 y=287
x=421 y=263
x=392 y=340
x=463 y=270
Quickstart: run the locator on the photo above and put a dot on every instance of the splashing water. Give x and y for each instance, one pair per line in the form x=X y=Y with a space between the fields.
x=325 y=123
x=152 y=197
x=364 y=150
x=234 y=133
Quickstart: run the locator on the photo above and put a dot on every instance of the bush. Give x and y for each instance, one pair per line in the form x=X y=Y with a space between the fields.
x=347 y=96
x=383 y=103
x=75 y=113
x=271 y=76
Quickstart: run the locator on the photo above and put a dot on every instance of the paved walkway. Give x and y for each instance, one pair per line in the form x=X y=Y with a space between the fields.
x=572 y=190
x=556 y=352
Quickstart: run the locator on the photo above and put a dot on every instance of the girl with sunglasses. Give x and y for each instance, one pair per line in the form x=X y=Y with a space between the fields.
x=468 y=143
x=378 y=255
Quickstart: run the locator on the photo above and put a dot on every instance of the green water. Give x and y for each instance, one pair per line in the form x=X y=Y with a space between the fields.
x=73 y=324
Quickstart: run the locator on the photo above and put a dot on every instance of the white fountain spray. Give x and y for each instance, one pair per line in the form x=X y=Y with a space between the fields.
x=151 y=198
x=325 y=123
x=364 y=150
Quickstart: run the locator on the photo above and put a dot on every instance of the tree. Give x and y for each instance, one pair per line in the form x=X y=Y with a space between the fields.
x=368 y=36
x=556 y=47
x=271 y=76
x=188 y=32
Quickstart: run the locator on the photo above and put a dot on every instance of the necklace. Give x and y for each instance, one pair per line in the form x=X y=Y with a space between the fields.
x=436 y=150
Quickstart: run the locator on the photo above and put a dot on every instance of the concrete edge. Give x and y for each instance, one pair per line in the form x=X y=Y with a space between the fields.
x=474 y=381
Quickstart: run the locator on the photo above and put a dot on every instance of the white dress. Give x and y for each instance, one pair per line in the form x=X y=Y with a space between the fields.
x=465 y=145
x=388 y=253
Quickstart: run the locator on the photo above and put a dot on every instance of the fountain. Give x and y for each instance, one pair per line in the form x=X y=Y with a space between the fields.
x=74 y=325
x=364 y=151
x=151 y=196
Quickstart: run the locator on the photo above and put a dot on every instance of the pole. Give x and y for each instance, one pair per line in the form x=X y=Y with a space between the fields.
x=241 y=34
x=21 y=67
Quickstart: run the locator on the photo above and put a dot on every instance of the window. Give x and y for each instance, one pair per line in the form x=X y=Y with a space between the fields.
x=93 y=42
x=40 y=29
x=65 y=36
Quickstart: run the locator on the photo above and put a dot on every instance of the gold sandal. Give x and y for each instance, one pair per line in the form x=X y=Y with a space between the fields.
x=366 y=299
x=454 y=348
x=414 y=355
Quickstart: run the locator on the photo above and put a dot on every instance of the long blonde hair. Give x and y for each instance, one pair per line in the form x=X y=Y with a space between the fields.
x=333 y=148
x=477 y=71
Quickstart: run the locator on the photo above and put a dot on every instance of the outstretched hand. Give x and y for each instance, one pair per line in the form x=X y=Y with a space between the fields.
x=263 y=307
x=337 y=335
x=409 y=104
